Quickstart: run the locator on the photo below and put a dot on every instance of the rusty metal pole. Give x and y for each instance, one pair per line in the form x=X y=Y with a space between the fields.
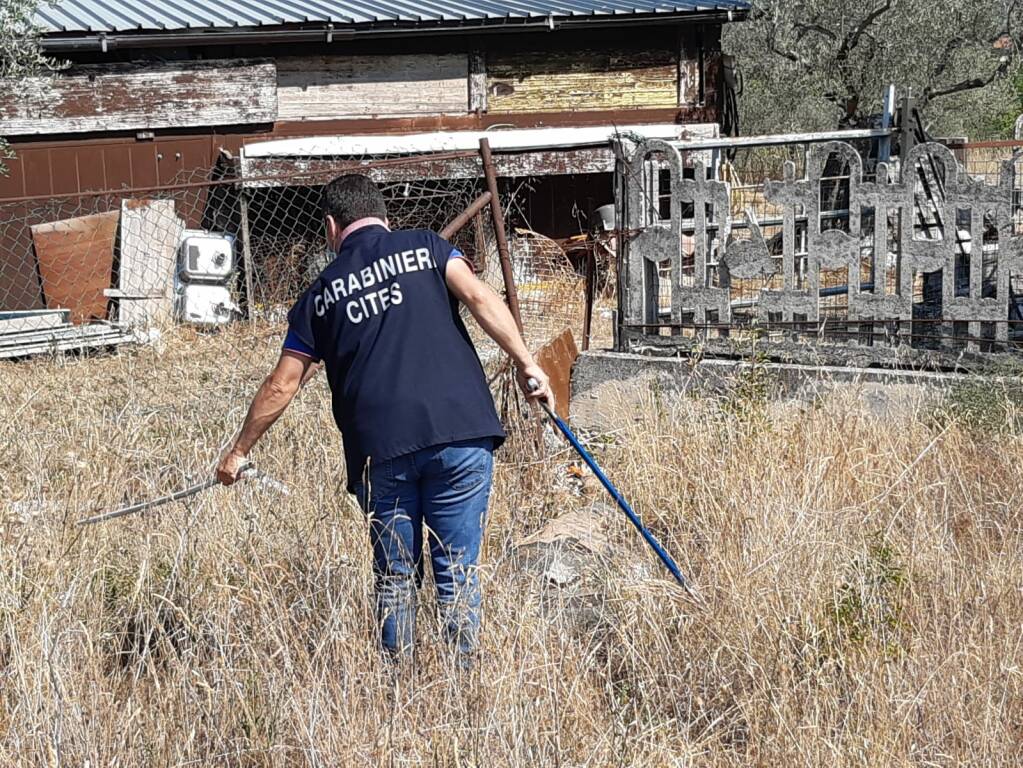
x=456 y=224
x=591 y=279
x=502 y=240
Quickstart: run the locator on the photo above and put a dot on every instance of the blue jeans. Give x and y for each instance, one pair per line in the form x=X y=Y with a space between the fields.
x=447 y=487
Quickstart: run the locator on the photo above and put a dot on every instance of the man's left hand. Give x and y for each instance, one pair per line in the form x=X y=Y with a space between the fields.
x=230 y=467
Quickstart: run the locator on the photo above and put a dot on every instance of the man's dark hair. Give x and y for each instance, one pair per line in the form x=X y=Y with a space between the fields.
x=352 y=197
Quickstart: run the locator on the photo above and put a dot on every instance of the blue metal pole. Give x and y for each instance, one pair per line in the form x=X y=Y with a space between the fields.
x=669 y=563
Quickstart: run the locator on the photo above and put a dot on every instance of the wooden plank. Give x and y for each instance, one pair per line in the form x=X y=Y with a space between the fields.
x=540 y=81
x=248 y=265
x=333 y=87
x=477 y=82
x=712 y=76
x=283 y=170
x=76 y=258
x=150 y=235
x=472 y=122
x=510 y=140
x=688 y=68
x=118 y=97
x=539 y=152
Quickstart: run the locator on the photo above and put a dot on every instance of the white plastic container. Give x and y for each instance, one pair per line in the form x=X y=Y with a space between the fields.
x=606 y=216
x=204 y=304
x=206 y=256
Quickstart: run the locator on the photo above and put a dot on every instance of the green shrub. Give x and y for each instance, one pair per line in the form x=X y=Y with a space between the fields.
x=984 y=406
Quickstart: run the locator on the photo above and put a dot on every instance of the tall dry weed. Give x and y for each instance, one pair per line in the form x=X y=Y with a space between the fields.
x=862 y=578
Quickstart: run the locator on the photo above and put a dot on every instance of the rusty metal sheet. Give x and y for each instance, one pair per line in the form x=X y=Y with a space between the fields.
x=557 y=358
x=76 y=260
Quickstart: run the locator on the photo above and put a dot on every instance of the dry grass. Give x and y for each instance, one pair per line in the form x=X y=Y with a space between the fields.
x=862 y=577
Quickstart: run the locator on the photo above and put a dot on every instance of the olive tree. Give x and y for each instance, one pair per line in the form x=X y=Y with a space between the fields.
x=819 y=64
x=20 y=53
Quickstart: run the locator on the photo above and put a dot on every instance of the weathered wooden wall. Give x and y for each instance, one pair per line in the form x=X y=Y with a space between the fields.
x=119 y=97
x=335 y=87
x=669 y=68
x=545 y=81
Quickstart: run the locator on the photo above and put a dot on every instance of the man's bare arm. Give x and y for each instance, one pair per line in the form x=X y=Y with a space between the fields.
x=270 y=401
x=497 y=322
x=311 y=371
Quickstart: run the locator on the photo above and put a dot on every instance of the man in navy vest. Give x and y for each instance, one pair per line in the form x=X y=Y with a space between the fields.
x=410 y=398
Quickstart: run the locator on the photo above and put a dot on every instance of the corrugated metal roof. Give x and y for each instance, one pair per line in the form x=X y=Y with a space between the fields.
x=131 y=15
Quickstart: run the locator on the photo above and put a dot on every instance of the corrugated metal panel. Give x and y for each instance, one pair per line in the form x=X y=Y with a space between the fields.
x=129 y=15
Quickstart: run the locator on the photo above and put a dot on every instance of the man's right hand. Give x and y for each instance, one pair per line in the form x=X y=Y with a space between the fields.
x=230 y=467
x=543 y=391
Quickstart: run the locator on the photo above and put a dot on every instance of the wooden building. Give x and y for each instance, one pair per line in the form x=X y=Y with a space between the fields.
x=155 y=89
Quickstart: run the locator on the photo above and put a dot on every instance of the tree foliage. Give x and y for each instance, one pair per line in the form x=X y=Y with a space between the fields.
x=20 y=53
x=813 y=64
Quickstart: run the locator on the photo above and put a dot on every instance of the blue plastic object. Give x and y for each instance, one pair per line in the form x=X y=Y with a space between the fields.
x=669 y=563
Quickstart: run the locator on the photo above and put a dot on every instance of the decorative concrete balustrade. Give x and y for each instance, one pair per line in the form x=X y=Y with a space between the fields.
x=923 y=213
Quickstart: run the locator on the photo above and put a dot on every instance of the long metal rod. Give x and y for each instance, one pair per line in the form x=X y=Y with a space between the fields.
x=499 y=233
x=457 y=223
x=247 y=472
x=184 y=493
x=655 y=545
x=771 y=140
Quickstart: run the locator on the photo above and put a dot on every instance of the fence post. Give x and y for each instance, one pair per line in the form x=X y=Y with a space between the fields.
x=884 y=145
x=502 y=240
x=591 y=279
x=621 y=198
x=243 y=214
x=907 y=136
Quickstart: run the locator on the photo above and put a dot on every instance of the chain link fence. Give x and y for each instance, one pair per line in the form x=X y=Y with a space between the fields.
x=189 y=285
x=213 y=250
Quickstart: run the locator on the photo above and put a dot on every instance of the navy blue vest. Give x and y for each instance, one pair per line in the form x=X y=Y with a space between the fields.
x=402 y=370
